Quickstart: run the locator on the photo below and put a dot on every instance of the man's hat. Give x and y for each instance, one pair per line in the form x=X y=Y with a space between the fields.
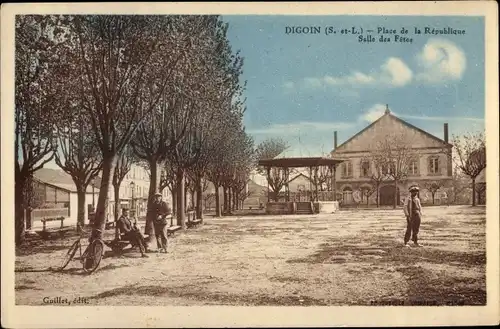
x=124 y=209
x=414 y=188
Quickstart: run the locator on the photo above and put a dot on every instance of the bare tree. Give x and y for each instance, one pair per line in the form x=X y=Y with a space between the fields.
x=123 y=166
x=167 y=180
x=36 y=39
x=124 y=67
x=270 y=148
x=433 y=187
x=376 y=160
x=276 y=177
x=77 y=155
x=396 y=154
x=470 y=156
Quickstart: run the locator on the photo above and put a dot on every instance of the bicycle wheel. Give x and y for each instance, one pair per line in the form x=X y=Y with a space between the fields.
x=93 y=255
x=70 y=254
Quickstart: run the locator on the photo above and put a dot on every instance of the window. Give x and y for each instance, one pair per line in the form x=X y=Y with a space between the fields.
x=365 y=168
x=347 y=169
x=413 y=168
x=434 y=165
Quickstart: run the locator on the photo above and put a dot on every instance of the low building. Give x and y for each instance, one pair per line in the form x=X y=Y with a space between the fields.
x=481 y=188
x=55 y=195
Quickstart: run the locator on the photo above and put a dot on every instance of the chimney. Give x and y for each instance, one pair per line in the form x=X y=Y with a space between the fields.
x=334 y=140
x=446 y=132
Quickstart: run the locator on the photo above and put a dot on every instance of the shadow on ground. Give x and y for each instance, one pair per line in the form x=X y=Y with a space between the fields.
x=193 y=292
x=423 y=286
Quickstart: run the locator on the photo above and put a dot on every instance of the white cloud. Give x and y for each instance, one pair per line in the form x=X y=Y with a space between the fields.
x=373 y=113
x=451 y=118
x=296 y=127
x=377 y=110
x=396 y=72
x=440 y=60
x=392 y=73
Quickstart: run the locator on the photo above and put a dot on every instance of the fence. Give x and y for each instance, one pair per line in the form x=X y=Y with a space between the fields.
x=38 y=214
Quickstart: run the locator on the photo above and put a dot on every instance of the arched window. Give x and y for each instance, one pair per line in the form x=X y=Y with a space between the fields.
x=347 y=195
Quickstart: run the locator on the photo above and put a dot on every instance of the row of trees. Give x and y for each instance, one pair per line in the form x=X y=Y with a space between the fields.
x=98 y=93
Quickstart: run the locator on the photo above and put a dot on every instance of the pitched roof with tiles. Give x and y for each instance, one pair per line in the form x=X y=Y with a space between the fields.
x=59 y=178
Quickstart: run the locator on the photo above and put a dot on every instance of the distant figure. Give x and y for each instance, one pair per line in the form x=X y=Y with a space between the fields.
x=130 y=232
x=161 y=211
x=445 y=198
x=413 y=212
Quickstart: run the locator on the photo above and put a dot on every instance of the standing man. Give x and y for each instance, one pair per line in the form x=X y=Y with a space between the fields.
x=130 y=232
x=161 y=211
x=413 y=212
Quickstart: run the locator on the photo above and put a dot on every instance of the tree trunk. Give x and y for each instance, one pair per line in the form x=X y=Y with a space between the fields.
x=181 y=200
x=174 y=201
x=153 y=185
x=117 y=202
x=80 y=192
x=474 y=192
x=29 y=218
x=378 y=195
x=108 y=169
x=224 y=196
x=199 y=199
x=395 y=194
x=433 y=196
x=185 y=195
x=217 y=201
x=235 y=201
x=193 y=199
x=20 y=228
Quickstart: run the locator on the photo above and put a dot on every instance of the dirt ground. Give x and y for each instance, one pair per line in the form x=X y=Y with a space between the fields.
x=348 y=258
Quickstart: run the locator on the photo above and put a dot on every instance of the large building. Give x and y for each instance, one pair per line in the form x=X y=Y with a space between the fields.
x=430 y=167
x=133 y=193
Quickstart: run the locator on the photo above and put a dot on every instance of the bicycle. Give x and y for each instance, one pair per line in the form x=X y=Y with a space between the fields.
x=91 y=257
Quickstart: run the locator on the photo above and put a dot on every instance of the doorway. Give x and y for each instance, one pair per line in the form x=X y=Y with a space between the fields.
x=387 y=193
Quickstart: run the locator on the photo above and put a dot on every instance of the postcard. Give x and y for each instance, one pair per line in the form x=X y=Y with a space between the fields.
x=246 y=165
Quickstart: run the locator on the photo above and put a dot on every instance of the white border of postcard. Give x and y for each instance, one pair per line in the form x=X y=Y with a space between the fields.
x=124 y=317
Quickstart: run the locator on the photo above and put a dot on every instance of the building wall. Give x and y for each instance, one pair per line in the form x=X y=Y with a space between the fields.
x=141 y=179
x=358 y=149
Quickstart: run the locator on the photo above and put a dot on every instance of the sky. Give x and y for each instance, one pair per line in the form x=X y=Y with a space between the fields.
x=303 y=87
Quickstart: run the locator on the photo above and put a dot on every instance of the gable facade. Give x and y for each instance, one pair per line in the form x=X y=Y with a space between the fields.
x=430 y=165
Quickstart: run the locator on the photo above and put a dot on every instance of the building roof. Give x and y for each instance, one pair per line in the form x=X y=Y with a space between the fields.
x=255 y=188
x=60 y=179
x=388 y=113
x=299 y=162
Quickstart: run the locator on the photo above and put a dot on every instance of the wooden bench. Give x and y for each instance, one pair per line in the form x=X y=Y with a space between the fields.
x=46 y=233
x=191 y=219
x=172 y=229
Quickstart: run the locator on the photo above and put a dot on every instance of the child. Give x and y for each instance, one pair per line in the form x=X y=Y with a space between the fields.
x=413 y=212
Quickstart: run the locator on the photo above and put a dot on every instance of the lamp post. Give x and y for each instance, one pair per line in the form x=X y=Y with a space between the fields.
x=132 y=186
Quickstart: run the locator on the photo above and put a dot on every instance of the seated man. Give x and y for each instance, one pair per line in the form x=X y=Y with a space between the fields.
x=129 y=231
